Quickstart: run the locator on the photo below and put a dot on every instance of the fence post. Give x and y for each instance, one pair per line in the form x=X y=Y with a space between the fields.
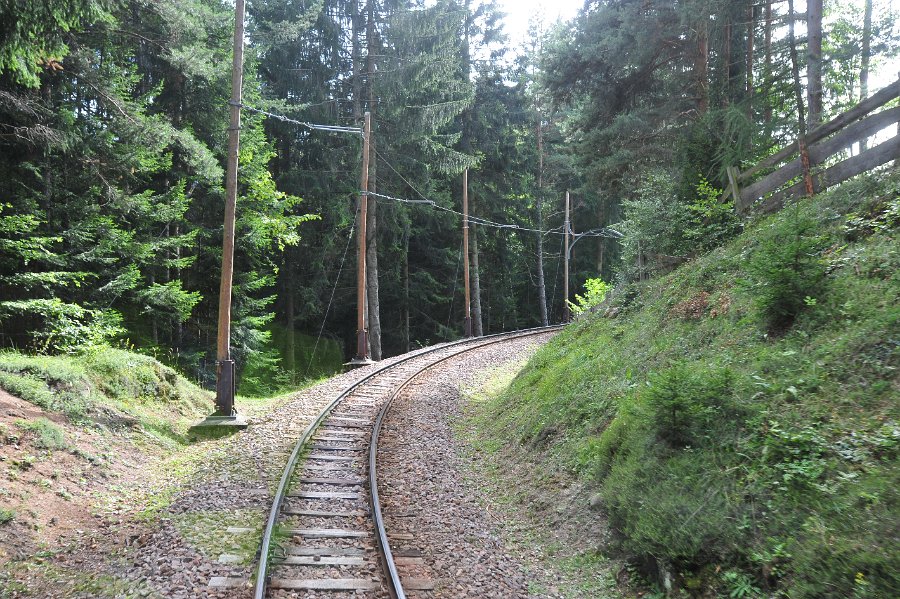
x=733 y=175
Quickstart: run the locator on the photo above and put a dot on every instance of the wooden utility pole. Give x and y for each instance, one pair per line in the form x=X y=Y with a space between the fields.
x=468 y=325
x=362 y=334
x=566 y=229
x=224 y=363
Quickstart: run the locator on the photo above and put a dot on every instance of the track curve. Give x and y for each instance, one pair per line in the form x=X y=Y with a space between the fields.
x=347 y=418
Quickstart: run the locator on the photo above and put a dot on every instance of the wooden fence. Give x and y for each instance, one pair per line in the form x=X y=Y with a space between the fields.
x=805 y=158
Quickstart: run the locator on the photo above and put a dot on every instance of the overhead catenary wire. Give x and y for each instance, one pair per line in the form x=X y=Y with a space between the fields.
x=307 y=125
x=603 y=232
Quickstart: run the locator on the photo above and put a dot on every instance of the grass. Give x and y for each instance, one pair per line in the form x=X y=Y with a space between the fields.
x=6 y=516
x=205 y=531
x=111 y=387
x=46 y=434
x=292 y=361
x=525 y=495
x=746 y=445
x=68 y=582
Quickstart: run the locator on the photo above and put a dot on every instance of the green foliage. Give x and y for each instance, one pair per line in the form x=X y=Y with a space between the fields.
x=170 y=297
x=754 y=465
x=111 y=218
x=64 y=327
x=263 y=375
x=712 y=221
x=684 y=403
x=595 y=291
x=669 y=446
x=304 y=358
x=34 y=34
x=47 y=434
x=6 y=516
x=659 y=227
x=787 y=270
x=654 y=224
x=110 y=386
x=740 y=585
x=843 y=46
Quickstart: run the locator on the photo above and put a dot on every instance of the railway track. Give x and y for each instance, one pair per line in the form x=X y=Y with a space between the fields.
x=325 y=534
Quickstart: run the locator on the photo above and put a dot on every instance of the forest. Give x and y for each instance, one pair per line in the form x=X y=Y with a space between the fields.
x=113 y=127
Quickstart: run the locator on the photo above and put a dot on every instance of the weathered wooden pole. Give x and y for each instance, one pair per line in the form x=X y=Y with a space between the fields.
x=362 y=333
x=224 y=363
x=468 y=325
x=566 y=229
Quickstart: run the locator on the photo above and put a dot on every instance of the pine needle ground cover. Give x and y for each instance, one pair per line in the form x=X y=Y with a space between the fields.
x=739 y=417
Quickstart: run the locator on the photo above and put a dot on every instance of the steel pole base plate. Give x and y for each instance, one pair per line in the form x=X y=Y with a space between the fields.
x=358 y=362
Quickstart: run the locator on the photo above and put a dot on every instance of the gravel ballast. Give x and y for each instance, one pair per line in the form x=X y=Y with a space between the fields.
x=432 y=508
x=202 y=539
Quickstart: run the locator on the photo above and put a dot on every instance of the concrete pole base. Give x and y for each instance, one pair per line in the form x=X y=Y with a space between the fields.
x=218 y=426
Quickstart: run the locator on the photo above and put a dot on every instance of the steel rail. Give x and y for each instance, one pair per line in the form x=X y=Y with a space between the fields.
x=281 y=492
x=395 y=587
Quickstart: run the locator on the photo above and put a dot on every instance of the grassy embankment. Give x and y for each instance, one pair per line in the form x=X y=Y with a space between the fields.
x=111 y=387
x=739 y=417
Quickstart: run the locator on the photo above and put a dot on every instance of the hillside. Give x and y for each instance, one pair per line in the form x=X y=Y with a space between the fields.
x=82 y=438
x=738 y=418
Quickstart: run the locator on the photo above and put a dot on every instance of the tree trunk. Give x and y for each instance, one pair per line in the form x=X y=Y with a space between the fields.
x=289 y=312
x=601 y=241
x=701 y=65
x=866 y=57
x=767 y=70
x=726 y=97
x=371 y=219
x=153 y=317
x=405 y=314
x=795 y=70
x=542 y=287
x=179 y=324
x=751 y=39
x=814 y=64
x=506 y=287
x=476 y=284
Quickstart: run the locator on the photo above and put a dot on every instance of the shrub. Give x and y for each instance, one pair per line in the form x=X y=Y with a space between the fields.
x=669 y=447
x=711 y=222
x=47 y=435
x=684 y=403
x=595 y=291
x=262 y=375
x=654 y=224
x=64 y=327
x=787 y=271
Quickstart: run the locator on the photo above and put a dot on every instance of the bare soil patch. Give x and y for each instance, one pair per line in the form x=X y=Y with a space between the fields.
x=55 y=490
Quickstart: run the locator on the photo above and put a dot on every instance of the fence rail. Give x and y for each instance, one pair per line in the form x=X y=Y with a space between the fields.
x=805 y=157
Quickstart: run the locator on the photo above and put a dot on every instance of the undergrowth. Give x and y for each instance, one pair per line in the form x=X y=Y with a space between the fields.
x=739 y=417
x=111 y=387
x=46 y=434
